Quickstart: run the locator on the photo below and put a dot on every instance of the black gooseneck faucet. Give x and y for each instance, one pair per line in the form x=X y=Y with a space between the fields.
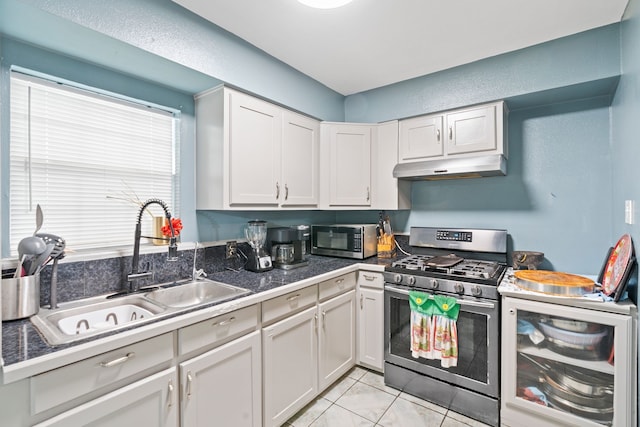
x=173 y=247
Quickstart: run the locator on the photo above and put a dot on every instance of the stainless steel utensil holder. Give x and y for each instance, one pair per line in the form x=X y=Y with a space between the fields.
x=20 y=297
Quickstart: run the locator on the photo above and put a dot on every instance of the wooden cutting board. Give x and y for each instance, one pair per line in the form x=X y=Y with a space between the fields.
x=553 y=282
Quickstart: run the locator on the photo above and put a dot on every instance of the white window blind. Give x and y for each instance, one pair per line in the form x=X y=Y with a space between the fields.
x=79 y=154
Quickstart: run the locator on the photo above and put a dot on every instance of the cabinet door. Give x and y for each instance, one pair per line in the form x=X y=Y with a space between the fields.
x=420 y=138
x=337 y=336
x=255 y=133
x=224 y=385
x=299 y=160
x=152 y=401
x=472 y=130
x=371 y=328
x=290 y=366
x=350 y=165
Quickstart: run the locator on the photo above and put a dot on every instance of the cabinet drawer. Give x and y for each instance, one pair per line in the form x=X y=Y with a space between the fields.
x=72 y=381
x=337 y=285
x=218 y=329
x=369 y=279
x=290 y=303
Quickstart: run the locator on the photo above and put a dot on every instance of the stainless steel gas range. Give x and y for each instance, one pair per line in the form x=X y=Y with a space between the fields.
x=466 y=264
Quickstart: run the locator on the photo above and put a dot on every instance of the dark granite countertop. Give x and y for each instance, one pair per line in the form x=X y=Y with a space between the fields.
x=22 y=342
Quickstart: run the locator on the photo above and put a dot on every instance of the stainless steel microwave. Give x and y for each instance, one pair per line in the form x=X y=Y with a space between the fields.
x=357 y=241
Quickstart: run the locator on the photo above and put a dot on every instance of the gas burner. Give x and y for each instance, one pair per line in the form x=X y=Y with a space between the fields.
x=474 y=268
x=413 y=262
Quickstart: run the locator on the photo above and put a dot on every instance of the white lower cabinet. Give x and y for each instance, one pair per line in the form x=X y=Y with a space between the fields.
x=223 y=386
x=308 y=351
x=152 y=401
x=290 y=365
x=337 y=337
x=370 y=318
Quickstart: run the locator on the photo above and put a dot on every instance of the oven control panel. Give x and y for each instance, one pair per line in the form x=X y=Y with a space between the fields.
x=455 y=236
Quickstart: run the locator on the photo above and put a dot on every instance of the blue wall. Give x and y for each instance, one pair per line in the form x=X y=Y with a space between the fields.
x=559 y=182
x=161 y=41
x=556 y=197
x=625 y=128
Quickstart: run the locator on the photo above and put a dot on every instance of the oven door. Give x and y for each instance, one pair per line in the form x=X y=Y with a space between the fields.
x=478 y=345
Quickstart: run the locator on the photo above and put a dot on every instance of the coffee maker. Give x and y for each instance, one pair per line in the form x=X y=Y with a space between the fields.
x=256 y=234
x=290 y=246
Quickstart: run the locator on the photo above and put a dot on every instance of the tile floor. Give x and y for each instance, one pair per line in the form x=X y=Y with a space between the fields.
x=361 y=399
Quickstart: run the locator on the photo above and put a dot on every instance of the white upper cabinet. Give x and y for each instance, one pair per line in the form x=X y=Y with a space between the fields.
x=300 y=141
x=421 y=137
x=251 y=154
x=347 y=159
x=472 y=131
x=255 y=137
x=357 y=163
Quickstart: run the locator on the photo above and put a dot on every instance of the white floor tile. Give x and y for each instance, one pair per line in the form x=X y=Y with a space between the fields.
x=366 y=401
x=334 y=392
x=466 y=421
x=309 y=413
x=405 y=413
x=377 y=380
x=336 y=416
x=357 y=372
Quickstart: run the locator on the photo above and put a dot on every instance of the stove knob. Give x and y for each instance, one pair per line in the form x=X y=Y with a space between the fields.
x=434 y=284
x=397 y=278
x=459 y=288
x=476 y=291
x=412 y=280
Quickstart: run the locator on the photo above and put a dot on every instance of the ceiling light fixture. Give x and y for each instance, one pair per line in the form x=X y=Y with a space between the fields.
x=325 y=4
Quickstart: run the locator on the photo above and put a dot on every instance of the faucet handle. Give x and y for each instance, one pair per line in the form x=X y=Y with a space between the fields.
x=197 y=274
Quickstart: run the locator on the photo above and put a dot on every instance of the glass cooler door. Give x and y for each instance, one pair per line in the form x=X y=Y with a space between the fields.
x=564 y=362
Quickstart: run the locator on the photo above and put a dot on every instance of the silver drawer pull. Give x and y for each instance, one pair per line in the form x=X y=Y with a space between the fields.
x=369 y=278
x=189 y=381
x=117 y=360
x=293 y=297
x=170 y=393
x=225 y=322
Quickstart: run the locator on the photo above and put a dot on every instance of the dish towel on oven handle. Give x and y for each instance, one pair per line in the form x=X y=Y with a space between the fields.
x=434 y=333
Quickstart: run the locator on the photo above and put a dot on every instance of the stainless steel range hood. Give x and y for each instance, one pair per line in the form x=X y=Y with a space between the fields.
x=452 y=168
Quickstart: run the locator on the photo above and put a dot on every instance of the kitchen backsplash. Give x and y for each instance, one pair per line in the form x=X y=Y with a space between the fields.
x=84 y=279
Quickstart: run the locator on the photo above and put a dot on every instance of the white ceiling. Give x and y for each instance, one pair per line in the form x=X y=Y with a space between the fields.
x=372 y=43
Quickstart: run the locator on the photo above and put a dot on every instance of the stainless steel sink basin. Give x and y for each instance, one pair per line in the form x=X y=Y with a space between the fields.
x=93 y=316
x=195 y=292
x=80 y=319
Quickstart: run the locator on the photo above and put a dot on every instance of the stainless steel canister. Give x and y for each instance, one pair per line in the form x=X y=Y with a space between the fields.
x=20 y=297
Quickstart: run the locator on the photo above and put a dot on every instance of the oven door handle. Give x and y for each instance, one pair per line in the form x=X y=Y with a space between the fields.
x=462 y=302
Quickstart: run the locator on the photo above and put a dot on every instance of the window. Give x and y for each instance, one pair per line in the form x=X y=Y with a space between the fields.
x=87 y=158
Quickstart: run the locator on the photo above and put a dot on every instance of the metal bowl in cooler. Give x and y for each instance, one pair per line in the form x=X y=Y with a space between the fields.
x=574 y=339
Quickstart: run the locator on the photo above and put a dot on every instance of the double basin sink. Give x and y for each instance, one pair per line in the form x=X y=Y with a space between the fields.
x=94 y=316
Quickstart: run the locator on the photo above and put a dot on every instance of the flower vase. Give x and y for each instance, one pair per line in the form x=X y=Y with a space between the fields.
x=158 y=223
